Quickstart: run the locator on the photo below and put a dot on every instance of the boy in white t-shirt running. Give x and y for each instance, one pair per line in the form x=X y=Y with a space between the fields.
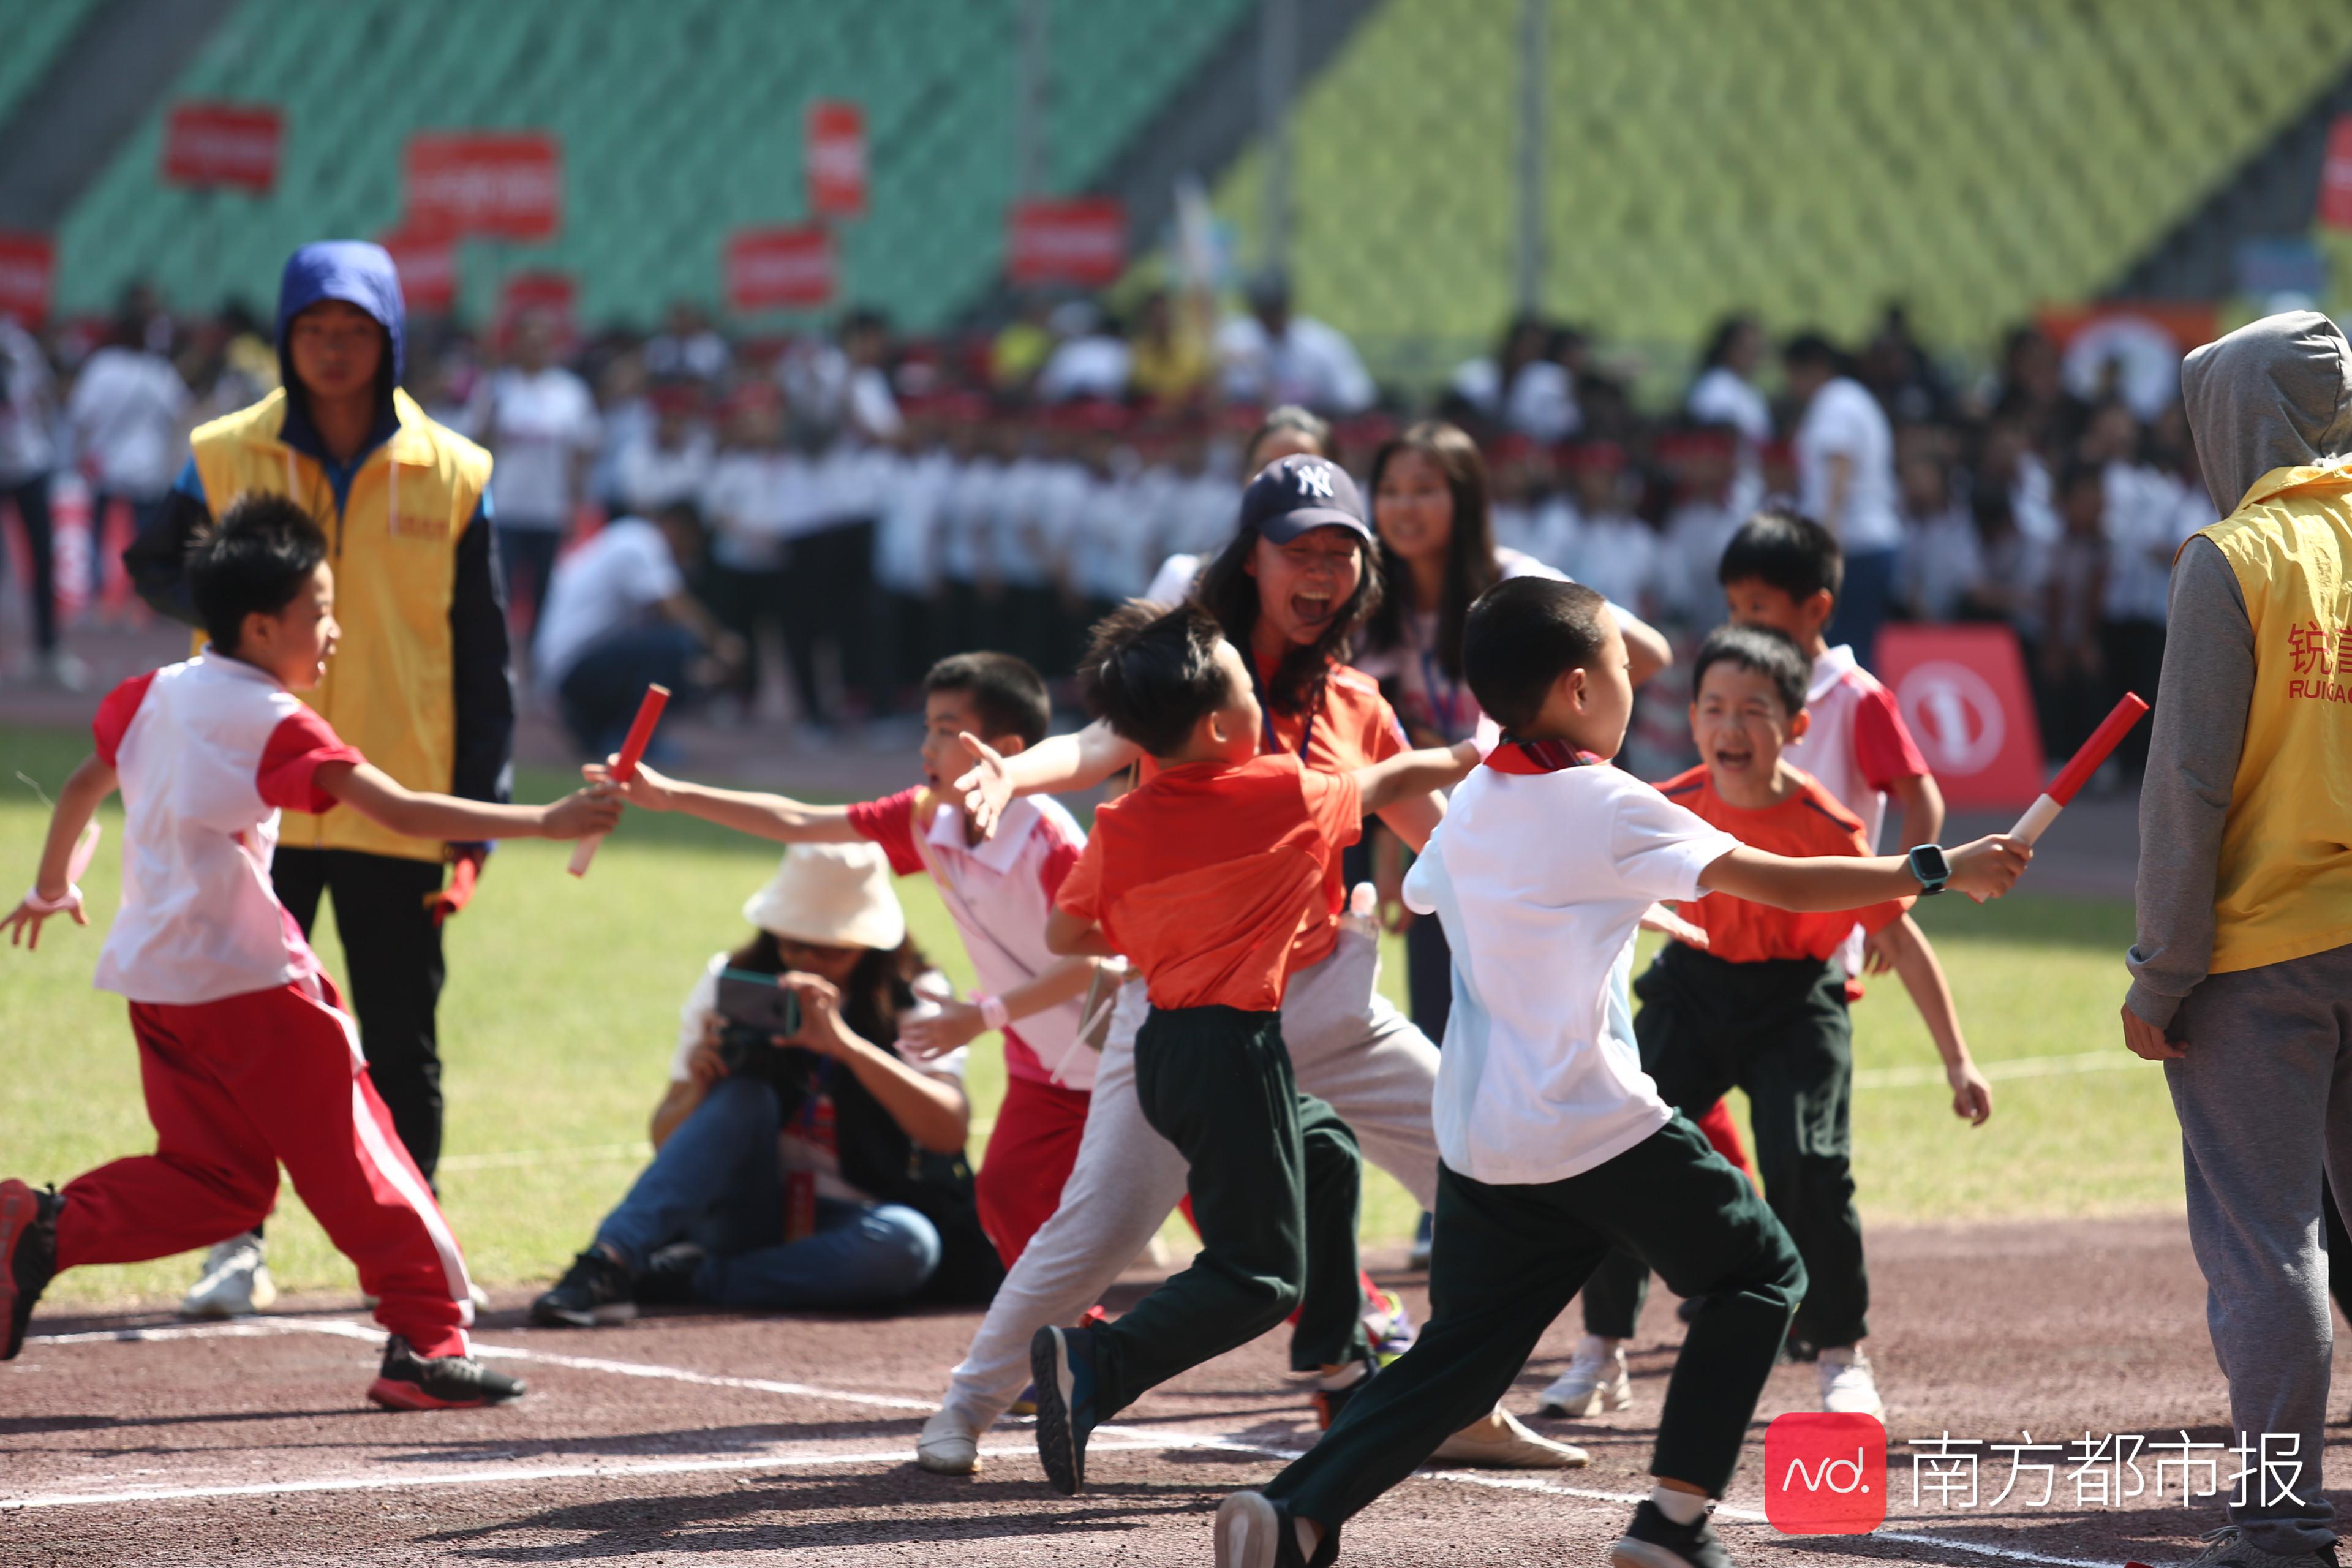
x=248 y=1057
x=1555 y=1145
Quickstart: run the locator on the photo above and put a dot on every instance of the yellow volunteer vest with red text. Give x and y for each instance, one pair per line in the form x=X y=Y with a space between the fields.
x=387 y=689
x=2283 y=888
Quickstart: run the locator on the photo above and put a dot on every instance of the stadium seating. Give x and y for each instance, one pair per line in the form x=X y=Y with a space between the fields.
x=679 y=121
x=34 y=30
x=1785 y=155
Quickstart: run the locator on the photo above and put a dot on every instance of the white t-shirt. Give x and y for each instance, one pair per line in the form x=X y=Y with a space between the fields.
x=650 y=476
x=28 y=407
x=207 y=751
x=537 y=425
x=1722 y=396
x=1843 y=420
x=125 y=411
x=606 y=585
x=1540 y=880
x=1311 y=364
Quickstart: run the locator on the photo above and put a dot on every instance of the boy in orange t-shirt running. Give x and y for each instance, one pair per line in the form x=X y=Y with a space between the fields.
x=1210 y=879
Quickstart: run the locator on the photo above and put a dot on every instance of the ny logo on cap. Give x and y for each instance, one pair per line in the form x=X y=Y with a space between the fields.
x=1315 y=480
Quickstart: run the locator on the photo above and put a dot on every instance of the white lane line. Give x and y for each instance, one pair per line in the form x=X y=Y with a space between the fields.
x=1129 y=1439
x=2116 y=1060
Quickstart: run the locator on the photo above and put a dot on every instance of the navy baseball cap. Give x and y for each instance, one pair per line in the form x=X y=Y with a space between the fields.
x=1300 y=492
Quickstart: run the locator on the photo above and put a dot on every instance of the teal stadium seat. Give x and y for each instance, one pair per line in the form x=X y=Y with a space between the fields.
x=680 y=120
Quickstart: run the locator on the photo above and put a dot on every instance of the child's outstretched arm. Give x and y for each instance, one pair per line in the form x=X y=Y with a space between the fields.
x=53 y=892
x=1984 y=869
x=418 y=813
x=1056 y=763
x=1072 y=936
x=1412 y=775
x=775 y=817
x=1923 y=976
x=961 y=1023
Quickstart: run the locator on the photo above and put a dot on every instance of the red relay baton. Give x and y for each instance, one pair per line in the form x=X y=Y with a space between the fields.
x=641 y=729
x=2077 y=772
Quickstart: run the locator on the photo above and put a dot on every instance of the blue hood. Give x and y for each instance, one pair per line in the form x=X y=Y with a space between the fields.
x=358 y=273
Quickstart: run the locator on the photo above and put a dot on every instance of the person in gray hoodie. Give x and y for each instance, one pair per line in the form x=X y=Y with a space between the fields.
x=2242 y=976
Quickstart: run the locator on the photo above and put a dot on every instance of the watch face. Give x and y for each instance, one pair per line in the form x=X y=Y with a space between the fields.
x=1928 y=864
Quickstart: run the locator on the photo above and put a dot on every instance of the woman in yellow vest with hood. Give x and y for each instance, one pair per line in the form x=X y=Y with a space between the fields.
x=2241 y=977
x=420 y=680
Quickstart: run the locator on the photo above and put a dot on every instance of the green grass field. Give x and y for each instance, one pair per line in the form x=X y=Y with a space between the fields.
x=561 y=1010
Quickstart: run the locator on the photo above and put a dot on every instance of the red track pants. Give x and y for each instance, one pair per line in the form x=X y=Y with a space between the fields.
x=234 y=1088
x=1723 y=1134
x=1030 y=1153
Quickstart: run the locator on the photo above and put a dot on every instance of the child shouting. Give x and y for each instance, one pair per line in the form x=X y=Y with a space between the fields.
x=248 y=1057
x=1210 y=879
x=1762 y=1008
x=1556 y=1147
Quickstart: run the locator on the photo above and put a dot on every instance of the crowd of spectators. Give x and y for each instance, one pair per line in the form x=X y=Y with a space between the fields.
x=835 y=511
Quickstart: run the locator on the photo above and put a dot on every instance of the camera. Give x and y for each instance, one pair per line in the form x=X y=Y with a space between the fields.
x=756 y=1010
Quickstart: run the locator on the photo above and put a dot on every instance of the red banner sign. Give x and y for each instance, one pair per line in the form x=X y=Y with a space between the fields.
x=427 y=265
x=779 y=268
x=1081 y=242
x=504 y=184
x=1962 y=691
x=2335 y=177
x=27 y=264
x=832 y=151
x=209 y=144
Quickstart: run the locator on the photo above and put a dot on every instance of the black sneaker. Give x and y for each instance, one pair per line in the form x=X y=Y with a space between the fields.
x=668 y=1279
x=1653 y=1540
x=1255 y=1532
x=413 y=1381
x=28 y=1257
x=1062 y=1362
x=594 y=1291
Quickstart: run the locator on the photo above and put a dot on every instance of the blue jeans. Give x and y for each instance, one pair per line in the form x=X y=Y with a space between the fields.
x=1863 y=603
x=718 y=1182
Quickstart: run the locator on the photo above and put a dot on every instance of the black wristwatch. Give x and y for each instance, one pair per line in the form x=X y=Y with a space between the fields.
x=1928 y=864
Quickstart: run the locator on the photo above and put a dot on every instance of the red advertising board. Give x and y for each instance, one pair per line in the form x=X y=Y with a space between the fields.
x=2335 y=177
x=779 y=268
x=832 y=151
x=27 y=264
x=427 y=265
x=508 y=184
x=236 y=144
x=1963 y=692
x=546 y=293
x=1081 y=242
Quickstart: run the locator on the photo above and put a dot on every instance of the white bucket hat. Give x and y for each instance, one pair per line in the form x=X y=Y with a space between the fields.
x=834 y=895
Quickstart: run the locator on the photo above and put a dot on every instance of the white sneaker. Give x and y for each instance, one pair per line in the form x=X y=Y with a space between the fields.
x=1512 y=1447
x=1596 y=1380
x=1847 y=1386
x=949 y=1444
x=235 y=1281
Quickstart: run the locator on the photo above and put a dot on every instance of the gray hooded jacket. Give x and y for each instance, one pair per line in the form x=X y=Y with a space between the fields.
x=2274 y=394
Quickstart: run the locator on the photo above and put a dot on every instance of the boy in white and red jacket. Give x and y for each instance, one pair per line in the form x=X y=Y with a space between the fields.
x=248 y=1057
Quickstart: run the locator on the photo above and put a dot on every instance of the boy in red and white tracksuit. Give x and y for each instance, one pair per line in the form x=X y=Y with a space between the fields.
x=246 y=1055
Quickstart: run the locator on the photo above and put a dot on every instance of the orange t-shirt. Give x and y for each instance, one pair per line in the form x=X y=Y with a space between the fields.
x=1209 y=876
x=1809 y=822
x=1351 y=726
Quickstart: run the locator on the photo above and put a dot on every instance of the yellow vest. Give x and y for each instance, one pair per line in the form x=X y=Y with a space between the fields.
x=387 y=689
x=2283 y=887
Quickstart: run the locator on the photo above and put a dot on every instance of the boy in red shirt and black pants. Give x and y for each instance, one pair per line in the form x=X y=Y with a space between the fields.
x=1208 y=878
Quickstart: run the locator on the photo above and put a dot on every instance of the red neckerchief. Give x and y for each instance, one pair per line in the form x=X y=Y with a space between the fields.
x=1536 y=756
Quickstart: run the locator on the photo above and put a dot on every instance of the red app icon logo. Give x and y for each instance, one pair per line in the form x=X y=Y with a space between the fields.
x=1825 y=1475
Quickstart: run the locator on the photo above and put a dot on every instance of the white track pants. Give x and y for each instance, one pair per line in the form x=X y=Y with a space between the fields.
x=1348 y=1045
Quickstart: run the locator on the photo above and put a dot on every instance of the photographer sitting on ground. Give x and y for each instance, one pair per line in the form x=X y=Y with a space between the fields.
x=799 y=1164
